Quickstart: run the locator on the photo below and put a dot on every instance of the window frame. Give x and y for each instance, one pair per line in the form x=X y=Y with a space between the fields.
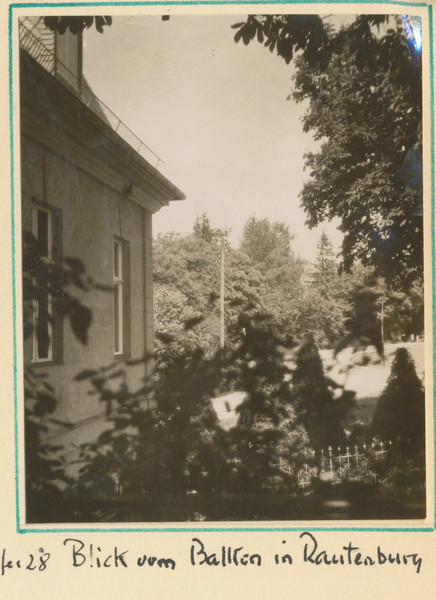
x=53 y=257
x=118 y=297
x=121 y=296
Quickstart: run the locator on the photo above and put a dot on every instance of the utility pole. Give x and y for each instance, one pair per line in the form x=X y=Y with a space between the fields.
x=222 y=332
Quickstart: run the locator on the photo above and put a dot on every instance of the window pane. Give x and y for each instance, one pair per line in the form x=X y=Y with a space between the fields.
x=43 y=232
x=117 y=259
x=43 y=328
x=118 y=318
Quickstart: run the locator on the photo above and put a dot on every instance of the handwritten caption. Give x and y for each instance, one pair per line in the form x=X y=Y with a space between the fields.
x=306 y=549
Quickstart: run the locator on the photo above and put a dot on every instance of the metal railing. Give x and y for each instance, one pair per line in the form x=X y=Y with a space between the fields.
x=347 y=463
x=47 y=59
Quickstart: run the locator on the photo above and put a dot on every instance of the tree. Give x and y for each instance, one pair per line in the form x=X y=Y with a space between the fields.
x=325 y=266
x=320 y=310
x=76 y=24
x=364 y=93
x=203 y=230
x=189 y=266
x=317 y=41
x=413 y=309
x=400 y=413
x=318 y=316
x=322 y=415
x=403 y=313
x=266 y=431
x=288 y=34
x=353 y=176
x=363 y=316
x=179 y=328
x=268 y=247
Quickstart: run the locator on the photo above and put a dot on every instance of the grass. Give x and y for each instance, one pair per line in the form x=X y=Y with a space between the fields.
x=364 y=410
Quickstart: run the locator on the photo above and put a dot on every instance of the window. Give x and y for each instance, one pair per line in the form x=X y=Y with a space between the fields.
x=118 y=297
x=121 y=297
x=42 y=328
x=47 y=230
x=43 y=232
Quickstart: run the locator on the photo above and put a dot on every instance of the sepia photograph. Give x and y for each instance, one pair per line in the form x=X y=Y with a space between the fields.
x=222 y=243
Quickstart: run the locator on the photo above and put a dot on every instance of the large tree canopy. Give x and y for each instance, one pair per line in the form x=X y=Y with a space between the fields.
x=364 y=93
x=187 y=288
x=269 y=247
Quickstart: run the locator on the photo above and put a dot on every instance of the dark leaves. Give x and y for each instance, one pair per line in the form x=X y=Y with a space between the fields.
x=100 y=22
x=288 y=34
x=191 y=323
x=60 y=279
x=76 y=265
x=238 y=35
x=80 y=319
x=76 y=24
x=85 y=374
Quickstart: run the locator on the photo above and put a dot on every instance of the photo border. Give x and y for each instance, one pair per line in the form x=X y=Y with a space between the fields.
x=183 y=529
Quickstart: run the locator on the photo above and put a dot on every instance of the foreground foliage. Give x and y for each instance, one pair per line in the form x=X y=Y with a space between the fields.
x=164 y=455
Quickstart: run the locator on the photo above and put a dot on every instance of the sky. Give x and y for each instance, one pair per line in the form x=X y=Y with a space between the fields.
x=216 y=113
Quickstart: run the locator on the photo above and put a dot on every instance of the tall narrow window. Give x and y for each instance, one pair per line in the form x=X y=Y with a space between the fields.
x=42 y=328
x=47 y=320
x=118 y=296
x=121 y=297
x=43 y=233
x=42 y=322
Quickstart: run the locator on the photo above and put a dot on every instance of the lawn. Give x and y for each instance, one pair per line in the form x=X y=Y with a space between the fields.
x=364 y=410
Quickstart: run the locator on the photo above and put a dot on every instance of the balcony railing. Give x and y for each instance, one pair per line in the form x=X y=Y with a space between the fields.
x=47 y=59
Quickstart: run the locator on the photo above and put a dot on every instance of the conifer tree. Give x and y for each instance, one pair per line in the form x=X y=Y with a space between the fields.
x=317 y=409
x=325 y=266
x=266 y=432
x=400 y=413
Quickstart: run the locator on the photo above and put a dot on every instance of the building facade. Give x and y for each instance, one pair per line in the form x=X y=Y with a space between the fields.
x=88 y=196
